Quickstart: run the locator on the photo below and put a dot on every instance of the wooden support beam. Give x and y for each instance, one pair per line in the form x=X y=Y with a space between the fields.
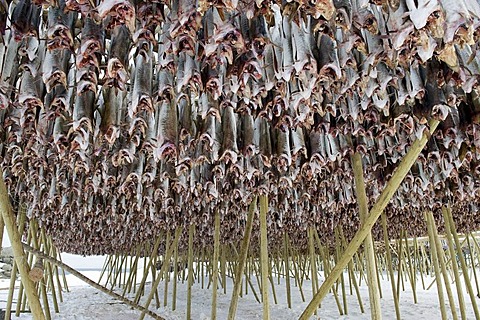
x=373 y=292
x=241 y=260
x=264 y=255
x=387 y=194
x=18 y=253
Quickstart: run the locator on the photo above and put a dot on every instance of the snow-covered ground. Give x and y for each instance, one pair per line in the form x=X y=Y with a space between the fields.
x=83 y=302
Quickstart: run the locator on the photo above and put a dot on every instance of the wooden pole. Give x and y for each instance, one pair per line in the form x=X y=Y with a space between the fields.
x=351 y=273
x=400 y=264
x=443 y=268
x=146 y=270
x=458 y=284
x=313 y=264
x=223 y=268
x=390 y=189
x=296 y=267
x=377 y=271
x=264 y=255
x=2 y=227
x=216 y=254
x=48 y=248
x=434 y=256
x=175 y=276
x=133 y=266
x=166 y=273
x=270 y=277
x=373 y=293
x=18 y=253
x=37 y=272
x=191 y=230
x=472 y=260
x=241 y=260
x=105 y=267
x=287 y=269
x=13 y=277
x=338 y=253
x=390 y=266
x=168 y=255
x=410 y=268
x=463 y=264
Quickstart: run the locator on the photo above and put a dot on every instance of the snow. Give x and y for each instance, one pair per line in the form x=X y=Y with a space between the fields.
x=84 y=302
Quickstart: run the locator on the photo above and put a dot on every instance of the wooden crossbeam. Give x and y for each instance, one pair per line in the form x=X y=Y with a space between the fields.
x=387 y=194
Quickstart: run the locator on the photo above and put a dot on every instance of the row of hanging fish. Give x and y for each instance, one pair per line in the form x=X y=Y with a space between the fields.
x=122 y=120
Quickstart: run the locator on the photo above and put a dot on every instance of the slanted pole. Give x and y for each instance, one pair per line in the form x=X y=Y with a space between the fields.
x=390 y=189
x=373 y=293
x=241 y=260
x=216 y=254
x=18 y=253
x=264 y=255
